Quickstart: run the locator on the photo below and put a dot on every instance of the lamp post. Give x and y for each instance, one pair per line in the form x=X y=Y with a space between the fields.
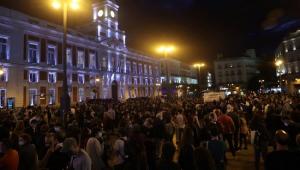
x=166 y=50
x=278 y=64
x=199 y=66
x=65 y=4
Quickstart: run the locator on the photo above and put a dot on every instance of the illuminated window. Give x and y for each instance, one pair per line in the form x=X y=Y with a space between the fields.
x=33 y=53
x=92 y=62
x=2 y=98
x=80 y=60
x=52 y=77
x=69 y=58
x=81 y=78
x=81 y=94
x=33 y=76
x=51 y=93
x=4 y=76
x=33 y=97
x=4 y=48
x=51 y=55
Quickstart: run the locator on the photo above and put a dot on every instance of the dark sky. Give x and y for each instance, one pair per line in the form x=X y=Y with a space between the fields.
x=200 y=28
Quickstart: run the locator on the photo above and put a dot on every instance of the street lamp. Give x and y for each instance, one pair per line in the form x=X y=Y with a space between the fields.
x=1 y=71
x=74 y=5
x=278 y=64
x=199 y=66
x=166 y=50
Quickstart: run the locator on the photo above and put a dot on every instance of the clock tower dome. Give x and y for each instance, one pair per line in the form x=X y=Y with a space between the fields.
x=105 y=17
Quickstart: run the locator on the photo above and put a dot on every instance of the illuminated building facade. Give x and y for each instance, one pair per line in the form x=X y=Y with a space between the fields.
x=289 y=71
x=98 y=65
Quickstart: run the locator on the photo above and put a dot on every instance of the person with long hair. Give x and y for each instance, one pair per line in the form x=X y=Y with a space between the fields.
x=95 y=151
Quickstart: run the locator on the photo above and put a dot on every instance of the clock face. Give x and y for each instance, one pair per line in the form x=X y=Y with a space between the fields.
x=100 y=13
x=112 y=14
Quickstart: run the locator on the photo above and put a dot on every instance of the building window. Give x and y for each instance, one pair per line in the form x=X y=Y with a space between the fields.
x=33 y=76
x=80 y=60
x=33 y=97
x=2 y=98
x=135 y=81
x=52 y=77
x=4 y=48
x=128 y=67
x=134 y=68
x=51 y=93
x=4 y=76
x=145 y=69
x=151 y=81
x=104 y=63
x=81 y=94
x=69 y=78
x=69 y=58
x=51 y=55
x=140 y=69
x=92 y=61
x=81 y=78
x=150 y=70
x=33 y=53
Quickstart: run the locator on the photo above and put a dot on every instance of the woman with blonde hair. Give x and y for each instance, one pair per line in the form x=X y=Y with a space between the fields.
x=95 y=151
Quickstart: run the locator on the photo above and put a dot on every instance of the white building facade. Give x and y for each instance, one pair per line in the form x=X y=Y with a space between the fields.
x=237 y=71
x=31 y=58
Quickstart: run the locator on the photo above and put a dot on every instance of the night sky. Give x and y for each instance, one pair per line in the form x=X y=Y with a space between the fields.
x=200 y=28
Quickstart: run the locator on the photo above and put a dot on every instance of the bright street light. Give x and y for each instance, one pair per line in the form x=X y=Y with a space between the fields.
x=165 y=49
x=1 y=71
x=56 y=4
x=199 y=65
x=73 y=4
x=278 y=63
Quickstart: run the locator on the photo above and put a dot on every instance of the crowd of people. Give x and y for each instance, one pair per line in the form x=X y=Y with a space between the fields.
x=153 y=134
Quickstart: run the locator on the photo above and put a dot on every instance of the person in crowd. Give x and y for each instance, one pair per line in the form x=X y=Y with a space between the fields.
x=166 y=161
x=281 y=158
x=217 y=148
x=54 y=159
x=186 y=154
x=244 y=131
x=227 y=126
x=261 y=139
x=180 y=125
x=9 y=157
x=236 y=120
x=27 y=153
x=204 y=159
x=109 y=118
x=95 y=151
x=80 y=160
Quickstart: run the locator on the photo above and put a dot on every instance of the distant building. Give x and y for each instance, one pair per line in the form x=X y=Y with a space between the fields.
x=237 y=71
x=179 y=73
x=289 y=71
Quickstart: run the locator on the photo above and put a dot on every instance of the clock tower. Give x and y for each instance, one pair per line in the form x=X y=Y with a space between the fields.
x=105 y=17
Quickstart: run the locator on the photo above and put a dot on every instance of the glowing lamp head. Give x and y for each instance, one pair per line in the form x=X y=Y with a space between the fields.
x=97 y=79
x=74 y=4
x=278 y=63
x=199 y=65
x=1 y=71
x=166 y=49
x=56 y=4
